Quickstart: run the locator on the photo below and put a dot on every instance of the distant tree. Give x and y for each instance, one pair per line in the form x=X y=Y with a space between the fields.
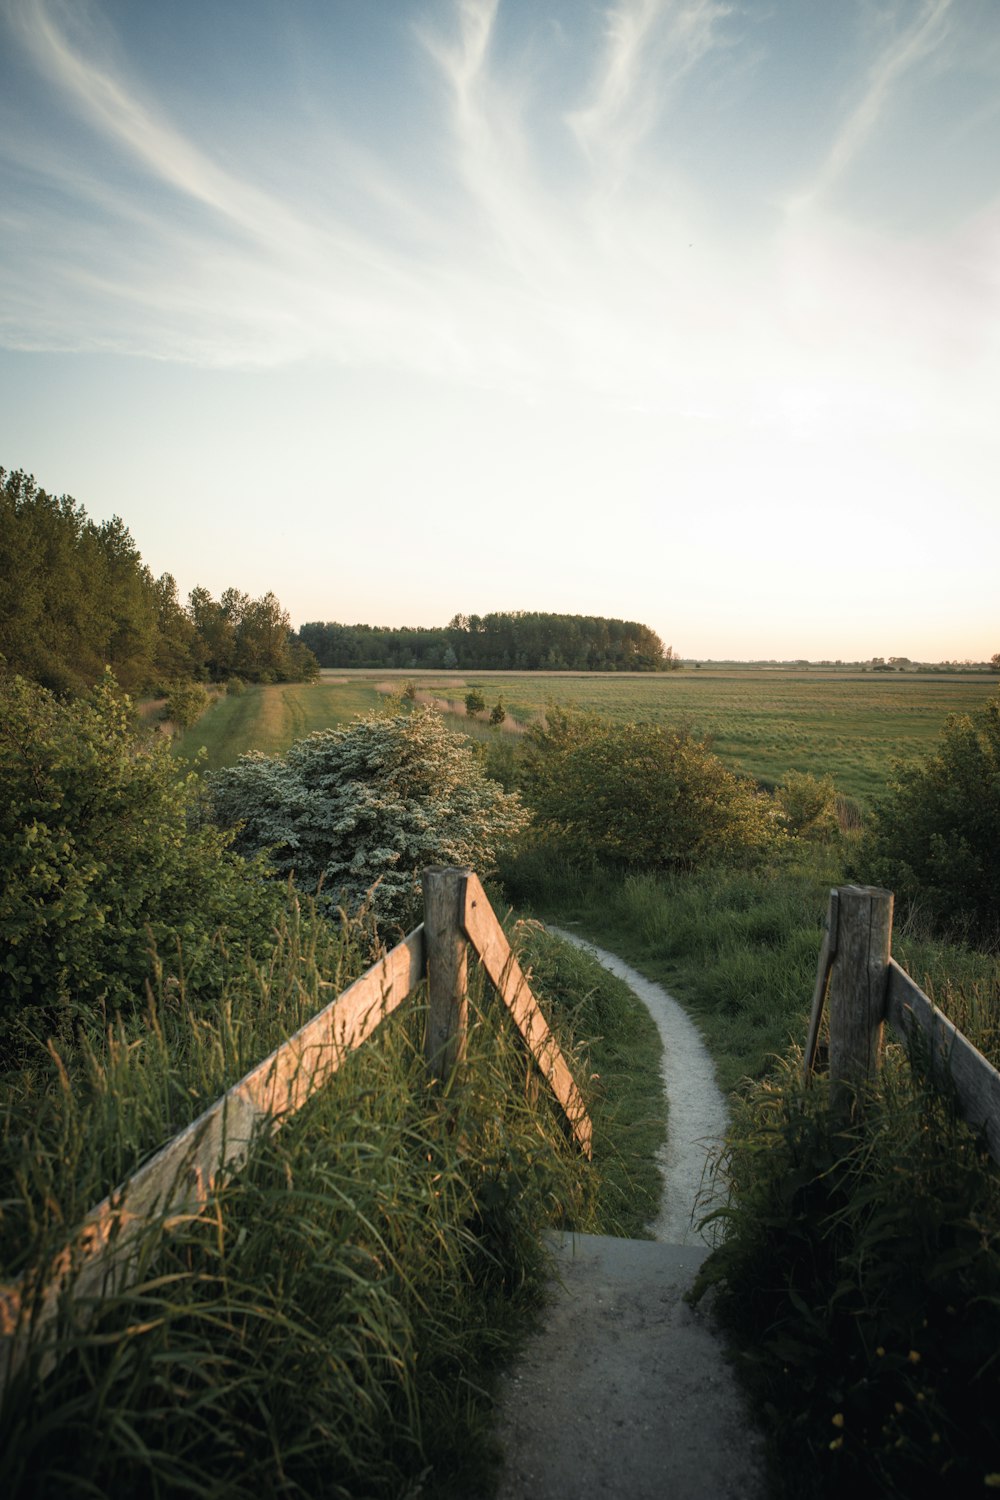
x=475 y=703
x=995 y=662
x=497 y=714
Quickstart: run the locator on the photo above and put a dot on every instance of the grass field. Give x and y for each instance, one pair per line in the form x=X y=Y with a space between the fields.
x=271 y=718
x=848 y=725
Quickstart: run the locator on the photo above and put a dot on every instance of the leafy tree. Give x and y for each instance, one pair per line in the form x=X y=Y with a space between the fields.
x=359 y=812
x=98 y=858
x=643 y=795
x=475 y=703
x=935 y=838
x=497 y=714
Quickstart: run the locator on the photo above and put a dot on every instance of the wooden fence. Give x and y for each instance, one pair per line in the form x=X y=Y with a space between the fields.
x=175 y=1184
x=865 y=988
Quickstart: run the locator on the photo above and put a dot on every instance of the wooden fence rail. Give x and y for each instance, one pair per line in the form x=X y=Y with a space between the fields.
x=867 y=989
x=176 y=1183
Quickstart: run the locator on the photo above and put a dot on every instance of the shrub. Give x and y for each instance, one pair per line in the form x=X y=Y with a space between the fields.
x=643 y=795
x=860 y=1274
x=808 y=805
x=475 y=703
x=497 y=714
x=936 y=836
x=186 y=702
x=361 y=811
x=98 y=859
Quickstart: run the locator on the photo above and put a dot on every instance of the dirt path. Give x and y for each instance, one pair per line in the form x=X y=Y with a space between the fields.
x=625 y=1393
x=698 y=1115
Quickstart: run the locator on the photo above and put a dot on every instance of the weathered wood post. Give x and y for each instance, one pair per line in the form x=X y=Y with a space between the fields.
x=858 y=983
x=447 y=969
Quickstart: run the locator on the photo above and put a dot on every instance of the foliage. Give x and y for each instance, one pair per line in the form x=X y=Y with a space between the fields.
x=737 y=946
x=860 y=1274
x=642 y=795
x=497 y=714
x=936 y=835
x=249 y=638
x=76 y=598
x=186 y=702
x=98 y=858
x=808 y=805
x=519 y=640
x=357 y=813
x=330 y=1325
x=475 y=703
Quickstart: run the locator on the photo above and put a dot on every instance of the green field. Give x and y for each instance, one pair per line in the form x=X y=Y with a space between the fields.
x=271 y=718
x=851 y=725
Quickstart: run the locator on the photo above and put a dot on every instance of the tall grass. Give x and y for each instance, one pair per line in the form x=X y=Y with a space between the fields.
x=331 y=1324
x=738 y=947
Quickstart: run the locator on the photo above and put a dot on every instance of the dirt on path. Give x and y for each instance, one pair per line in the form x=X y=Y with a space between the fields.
x=625 y=1393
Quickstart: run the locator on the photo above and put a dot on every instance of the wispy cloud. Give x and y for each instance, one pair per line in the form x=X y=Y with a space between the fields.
x=916 y=33
x=650 y=45
x=594 y=279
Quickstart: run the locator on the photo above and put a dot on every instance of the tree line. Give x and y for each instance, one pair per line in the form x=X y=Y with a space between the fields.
x=77 y=598
x=517 y=640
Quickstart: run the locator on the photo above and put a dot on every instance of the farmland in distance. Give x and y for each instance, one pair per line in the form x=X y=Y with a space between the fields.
x=850 y=725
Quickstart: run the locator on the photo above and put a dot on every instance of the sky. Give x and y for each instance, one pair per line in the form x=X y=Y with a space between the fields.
x=678 y=311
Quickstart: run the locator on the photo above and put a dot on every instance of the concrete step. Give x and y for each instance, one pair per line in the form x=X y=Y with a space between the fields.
x=625 y=1393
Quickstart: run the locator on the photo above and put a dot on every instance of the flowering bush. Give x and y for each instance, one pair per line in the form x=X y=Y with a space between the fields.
x=359 y=812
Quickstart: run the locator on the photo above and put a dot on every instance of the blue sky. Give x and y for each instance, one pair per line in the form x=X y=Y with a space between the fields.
x=682 y=312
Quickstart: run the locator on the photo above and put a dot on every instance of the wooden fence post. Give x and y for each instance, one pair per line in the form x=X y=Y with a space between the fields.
x=858 y=983
x=447 y=969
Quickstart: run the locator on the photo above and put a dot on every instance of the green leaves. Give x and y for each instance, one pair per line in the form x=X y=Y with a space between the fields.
x=98 y=858
x=936 y=837
x=643 y=795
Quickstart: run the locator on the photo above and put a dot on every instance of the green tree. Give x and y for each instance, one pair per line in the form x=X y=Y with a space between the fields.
x=935 y=838
x=497 y=714
x=359 y=812
x=640 y=794
x=475 y=703
x=98 y=858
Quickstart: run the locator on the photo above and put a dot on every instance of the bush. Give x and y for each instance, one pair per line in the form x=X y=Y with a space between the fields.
x=497 y=714
x=936 y=836
x=860 y=1273
x=359 y=812
x=186 y=702
x=643 y=795
x=98 y=860
x=475 y=703
x=808 y=805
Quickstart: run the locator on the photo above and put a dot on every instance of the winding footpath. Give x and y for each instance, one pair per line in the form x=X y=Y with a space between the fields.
x=625 y=1393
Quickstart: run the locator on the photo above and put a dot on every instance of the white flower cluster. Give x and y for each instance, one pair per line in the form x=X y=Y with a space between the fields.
x=363 y=810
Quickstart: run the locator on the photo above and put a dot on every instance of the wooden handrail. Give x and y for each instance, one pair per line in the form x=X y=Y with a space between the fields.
x=872 y=989
x=175 y=1184
x=490 y=942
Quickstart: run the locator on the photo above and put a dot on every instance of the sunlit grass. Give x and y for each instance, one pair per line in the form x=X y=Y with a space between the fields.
x=270 y=718
x=850 y=726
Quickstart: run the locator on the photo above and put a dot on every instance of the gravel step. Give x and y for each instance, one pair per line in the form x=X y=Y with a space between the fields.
x=625 y=1392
